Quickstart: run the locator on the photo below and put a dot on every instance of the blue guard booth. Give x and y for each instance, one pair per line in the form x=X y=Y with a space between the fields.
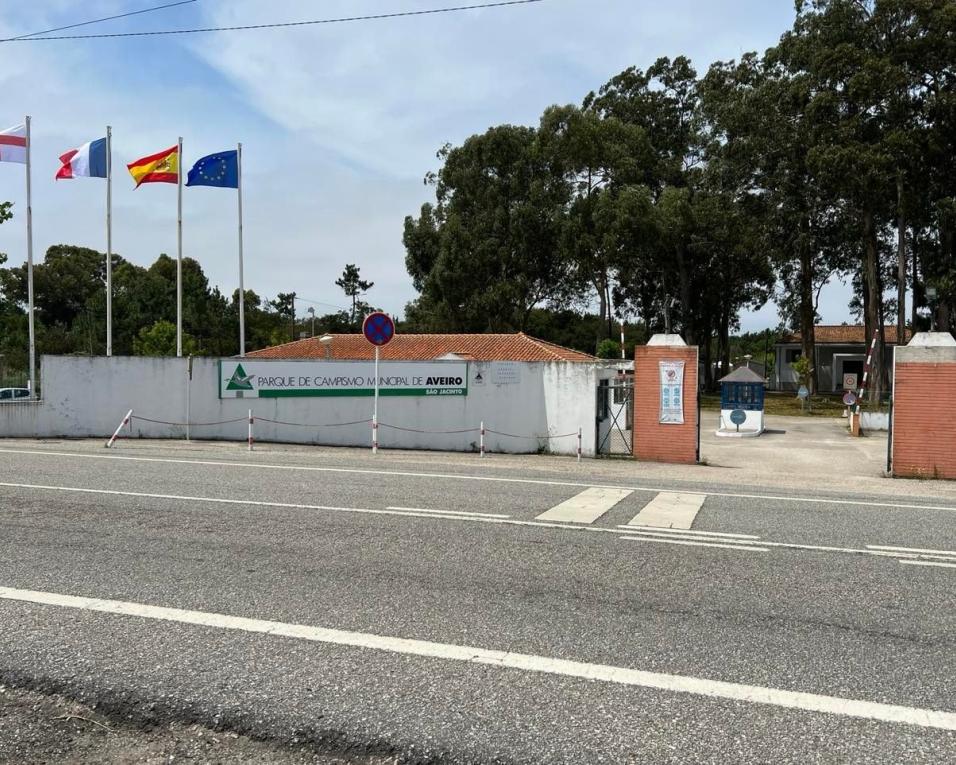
x=741 y=404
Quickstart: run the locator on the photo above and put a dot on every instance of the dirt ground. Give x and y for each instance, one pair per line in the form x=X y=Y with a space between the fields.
x=38 y=728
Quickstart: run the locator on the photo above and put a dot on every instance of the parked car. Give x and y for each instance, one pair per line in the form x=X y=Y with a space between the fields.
x=13 y=394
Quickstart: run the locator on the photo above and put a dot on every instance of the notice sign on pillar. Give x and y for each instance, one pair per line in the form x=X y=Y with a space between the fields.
x=672 y=392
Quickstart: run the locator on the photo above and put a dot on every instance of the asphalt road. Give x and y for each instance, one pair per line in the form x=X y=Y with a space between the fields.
x=780 y=629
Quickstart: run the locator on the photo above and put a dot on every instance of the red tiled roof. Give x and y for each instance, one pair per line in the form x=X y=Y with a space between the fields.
x=844 y=334
x=513 y=347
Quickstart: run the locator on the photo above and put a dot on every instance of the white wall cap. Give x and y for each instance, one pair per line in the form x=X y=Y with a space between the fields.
x=663 y=339
x=932 y=340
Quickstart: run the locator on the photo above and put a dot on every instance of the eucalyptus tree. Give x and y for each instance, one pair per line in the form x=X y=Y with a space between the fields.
x=486 y=252
x=597 y=160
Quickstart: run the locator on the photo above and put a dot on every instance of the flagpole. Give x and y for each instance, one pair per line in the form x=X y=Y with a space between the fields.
x=242 y=292
x=33 y=351
x=109 y=241
x=179 y=245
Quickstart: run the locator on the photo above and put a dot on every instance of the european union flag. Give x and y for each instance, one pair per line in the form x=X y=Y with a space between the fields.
x=220 y=169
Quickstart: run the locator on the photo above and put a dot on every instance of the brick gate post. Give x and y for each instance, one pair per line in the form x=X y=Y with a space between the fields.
x=924 y=407
x=657 y=436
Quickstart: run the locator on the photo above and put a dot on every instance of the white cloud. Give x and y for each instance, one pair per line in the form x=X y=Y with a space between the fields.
x=339 y=123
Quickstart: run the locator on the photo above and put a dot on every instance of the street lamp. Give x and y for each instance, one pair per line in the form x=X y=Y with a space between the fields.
x=310 y=310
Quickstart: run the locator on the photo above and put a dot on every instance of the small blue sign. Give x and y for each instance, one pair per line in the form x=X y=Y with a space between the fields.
x=378 y=328
x=738 y=417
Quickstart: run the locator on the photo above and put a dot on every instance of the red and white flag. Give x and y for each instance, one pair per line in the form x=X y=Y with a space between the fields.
x=13 y=144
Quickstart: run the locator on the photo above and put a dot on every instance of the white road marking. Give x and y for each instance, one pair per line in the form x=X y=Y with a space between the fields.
x=463 y=513
x=465 y=477
x=670 y=510
x=256 y=503
x=912 y=550
x=666 y=534
x=671 y=541
x=718 y=689
x=622 y=532
x=585 y=507
x=927 y=563
x=634 y=526
x=849 y=550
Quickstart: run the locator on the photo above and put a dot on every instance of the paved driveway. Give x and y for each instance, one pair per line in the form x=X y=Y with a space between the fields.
x=795 y=449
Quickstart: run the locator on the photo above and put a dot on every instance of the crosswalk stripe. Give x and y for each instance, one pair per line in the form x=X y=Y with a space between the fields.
x=585 y=507
x=670 y=510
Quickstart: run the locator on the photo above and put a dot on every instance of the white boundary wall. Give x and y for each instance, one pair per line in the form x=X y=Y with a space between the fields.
x=87 y=397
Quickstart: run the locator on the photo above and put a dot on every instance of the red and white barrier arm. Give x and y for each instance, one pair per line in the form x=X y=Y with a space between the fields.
x=866 y=370
x=126 y=421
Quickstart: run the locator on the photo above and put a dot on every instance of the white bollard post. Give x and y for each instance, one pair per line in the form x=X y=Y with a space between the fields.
x=482 y=439
x=126 y=421
x=189 y=387
x=579 y=444
x=251 y=422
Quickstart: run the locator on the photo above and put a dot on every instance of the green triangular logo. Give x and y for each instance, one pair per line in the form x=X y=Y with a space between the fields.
x=239 y=380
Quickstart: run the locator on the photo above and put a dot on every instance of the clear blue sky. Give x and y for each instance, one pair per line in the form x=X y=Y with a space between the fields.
x=339 y=123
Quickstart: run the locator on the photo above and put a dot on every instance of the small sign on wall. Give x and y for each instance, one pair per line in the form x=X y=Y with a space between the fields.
x=849 y=381
x=506 y=373
x=672 y=392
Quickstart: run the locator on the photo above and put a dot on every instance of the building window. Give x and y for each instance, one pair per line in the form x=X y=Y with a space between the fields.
x=793 y=354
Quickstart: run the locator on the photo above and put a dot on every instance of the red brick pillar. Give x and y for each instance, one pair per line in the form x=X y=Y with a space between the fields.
x=653 y=439
x=924 y=407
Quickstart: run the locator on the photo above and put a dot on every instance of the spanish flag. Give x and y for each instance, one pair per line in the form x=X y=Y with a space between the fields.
x=162 y=167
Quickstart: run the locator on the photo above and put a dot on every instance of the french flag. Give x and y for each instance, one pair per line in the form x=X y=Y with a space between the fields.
x=89 y=161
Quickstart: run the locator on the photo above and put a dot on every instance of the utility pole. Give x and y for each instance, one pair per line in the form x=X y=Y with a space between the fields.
x=311 y=310
x=293 y=316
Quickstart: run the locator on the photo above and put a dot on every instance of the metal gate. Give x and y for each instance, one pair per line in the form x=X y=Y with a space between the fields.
x=615 y=417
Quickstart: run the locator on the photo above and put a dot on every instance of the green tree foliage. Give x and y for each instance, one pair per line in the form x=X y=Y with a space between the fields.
x=353 y=285
x=160 y=340
x=678 y=200
x=483 y=256
x=70 y=301
x=608 y=349
x=876 y=73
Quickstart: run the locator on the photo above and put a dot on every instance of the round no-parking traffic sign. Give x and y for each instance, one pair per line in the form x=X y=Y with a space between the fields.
x=378 y=328
x=738 y=417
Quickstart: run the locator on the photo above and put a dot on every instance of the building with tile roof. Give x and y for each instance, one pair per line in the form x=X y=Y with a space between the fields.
x=840 y=350
x=493 y=347
x=843 y=334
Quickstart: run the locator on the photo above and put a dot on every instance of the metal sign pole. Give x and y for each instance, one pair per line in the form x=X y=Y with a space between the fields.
x=30 y=318
x=242 y=290
x=109 y=240
x=375 y=408
x=378 y=329
x=179 y=248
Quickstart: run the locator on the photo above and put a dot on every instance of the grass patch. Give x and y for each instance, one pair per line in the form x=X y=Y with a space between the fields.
x=785 y=403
